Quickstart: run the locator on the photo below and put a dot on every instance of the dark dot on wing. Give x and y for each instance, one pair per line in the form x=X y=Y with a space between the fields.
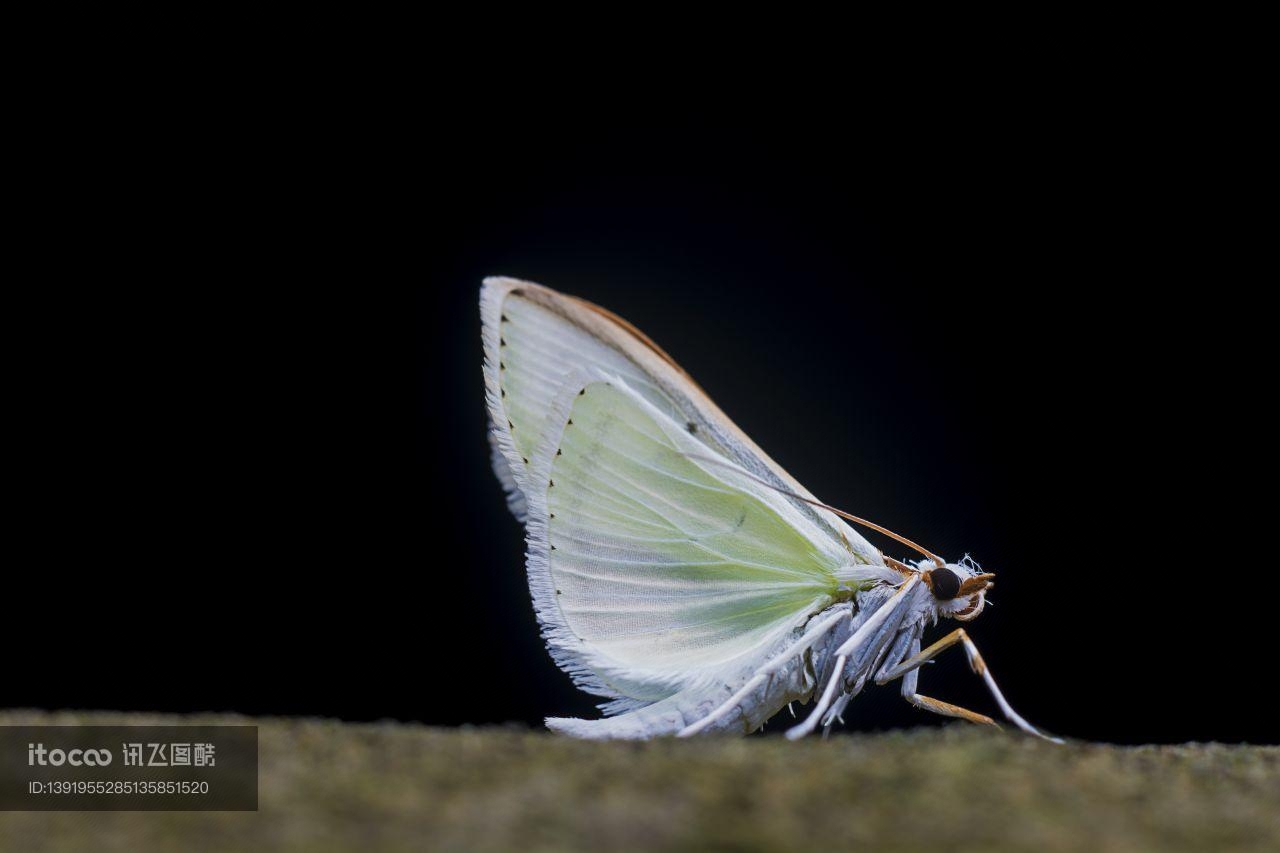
x=502 y=365
x=691 y=427
x=506 y=319
x=553 y=515
x=550 y=483
x=510 y=425
x=558 y=592
x=558 y=453
x=504 y=391
x=570 y=423
x=502 y=342
x=583 y=391
x=553 y=547
x=526 y=459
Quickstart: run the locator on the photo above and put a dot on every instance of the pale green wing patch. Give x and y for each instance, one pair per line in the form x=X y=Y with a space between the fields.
x=535 y=339
x=649 y=567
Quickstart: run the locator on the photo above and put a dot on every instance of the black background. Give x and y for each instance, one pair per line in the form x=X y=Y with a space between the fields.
x=1037 y=333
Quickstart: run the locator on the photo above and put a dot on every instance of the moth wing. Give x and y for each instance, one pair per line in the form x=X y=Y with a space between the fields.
x=654 y=571
x=535 y=338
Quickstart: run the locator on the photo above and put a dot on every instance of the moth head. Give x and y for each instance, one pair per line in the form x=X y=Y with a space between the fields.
x=959 y=589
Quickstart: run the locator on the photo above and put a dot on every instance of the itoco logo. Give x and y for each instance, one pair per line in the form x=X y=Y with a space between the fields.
x=37 y=754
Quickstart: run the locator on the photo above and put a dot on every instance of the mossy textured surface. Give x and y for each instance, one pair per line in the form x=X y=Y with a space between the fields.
x=337 y=786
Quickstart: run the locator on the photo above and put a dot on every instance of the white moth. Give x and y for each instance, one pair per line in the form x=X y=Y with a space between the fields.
x=677 y=571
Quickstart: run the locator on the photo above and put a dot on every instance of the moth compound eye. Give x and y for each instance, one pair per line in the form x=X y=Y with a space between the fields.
x=944 y=583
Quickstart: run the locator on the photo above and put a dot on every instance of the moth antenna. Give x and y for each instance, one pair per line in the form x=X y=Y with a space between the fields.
x=938 y=561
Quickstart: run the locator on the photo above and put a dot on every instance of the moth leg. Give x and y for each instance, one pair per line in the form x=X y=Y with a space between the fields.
x=763 y=674
x=928 y=703
x=946 y=709
x=867 y=633
x=838 y=706
x=811 y=722
x=837 y=711
x=977 y=664
x=907 y=642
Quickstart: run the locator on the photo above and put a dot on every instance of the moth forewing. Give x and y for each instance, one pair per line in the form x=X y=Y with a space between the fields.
x=535 y=337
x=650 y=573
